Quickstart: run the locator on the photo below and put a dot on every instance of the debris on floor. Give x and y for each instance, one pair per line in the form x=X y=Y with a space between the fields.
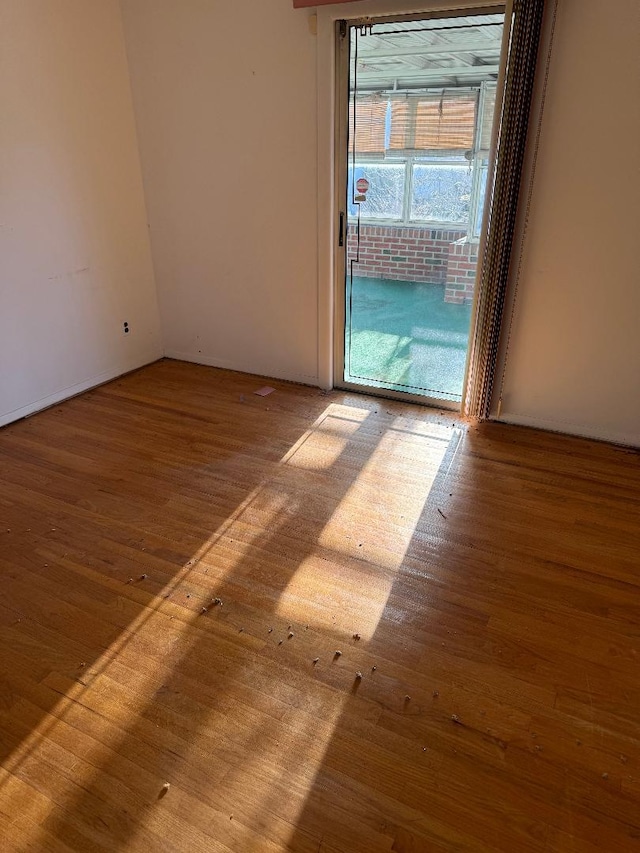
x=337 y=653
x=356 y=636
x=358 y=675
x=164 y=791
x=442 y=514
x=264 y=392
x=316 y=660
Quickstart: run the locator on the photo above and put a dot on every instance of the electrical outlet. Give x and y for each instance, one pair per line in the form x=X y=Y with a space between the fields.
x=126 y=328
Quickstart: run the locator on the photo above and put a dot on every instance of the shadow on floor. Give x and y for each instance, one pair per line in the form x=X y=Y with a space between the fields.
x=311 y=518
x=138 y=528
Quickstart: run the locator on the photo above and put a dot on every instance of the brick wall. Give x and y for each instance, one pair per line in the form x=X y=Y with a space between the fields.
x=462 y=262
x=402 y=254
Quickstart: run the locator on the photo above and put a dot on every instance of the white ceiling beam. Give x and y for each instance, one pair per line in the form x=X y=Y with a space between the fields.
x=474 y=72
x=476 y=46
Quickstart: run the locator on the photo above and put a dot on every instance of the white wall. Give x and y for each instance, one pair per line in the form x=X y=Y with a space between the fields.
x=574 y=359
x=225 y=96
x=235 y=233
x=74 y=248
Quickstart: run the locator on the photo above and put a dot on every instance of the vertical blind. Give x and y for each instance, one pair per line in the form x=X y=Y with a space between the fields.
x=496 y=258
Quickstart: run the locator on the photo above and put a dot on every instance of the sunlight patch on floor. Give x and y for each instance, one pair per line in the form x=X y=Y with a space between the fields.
x=370 y=567
x=348 y=565
x=321 y=445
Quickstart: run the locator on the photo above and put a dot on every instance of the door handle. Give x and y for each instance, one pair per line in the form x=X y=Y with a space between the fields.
x=341 y=234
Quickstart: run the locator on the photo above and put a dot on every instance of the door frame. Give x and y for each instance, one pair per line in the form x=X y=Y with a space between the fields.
x=323 y=25
x=325 y=20
x=340 y=170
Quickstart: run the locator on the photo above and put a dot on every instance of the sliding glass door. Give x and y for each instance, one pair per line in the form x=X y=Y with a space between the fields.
x=417 y=111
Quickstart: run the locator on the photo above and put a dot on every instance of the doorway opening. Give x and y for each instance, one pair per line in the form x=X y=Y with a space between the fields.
x=416 y=138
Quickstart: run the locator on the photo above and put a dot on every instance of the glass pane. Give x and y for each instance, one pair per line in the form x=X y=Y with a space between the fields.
x=386 y=190
x=441 y=193
x=411 y=257
x=404 y=335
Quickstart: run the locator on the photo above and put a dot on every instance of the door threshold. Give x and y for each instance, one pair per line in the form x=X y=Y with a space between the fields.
x=400 y=396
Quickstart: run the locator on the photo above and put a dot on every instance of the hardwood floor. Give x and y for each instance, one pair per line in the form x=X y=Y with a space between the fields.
x=483 y=581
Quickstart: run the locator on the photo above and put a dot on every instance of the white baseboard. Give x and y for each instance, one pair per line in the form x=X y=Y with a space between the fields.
x=223 y=364
x=73 y=390
x=570 y=428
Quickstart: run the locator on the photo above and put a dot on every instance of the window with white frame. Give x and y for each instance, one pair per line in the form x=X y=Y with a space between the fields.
x=425 y=156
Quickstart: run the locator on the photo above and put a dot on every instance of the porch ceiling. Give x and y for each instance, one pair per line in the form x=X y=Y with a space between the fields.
x=423 y=54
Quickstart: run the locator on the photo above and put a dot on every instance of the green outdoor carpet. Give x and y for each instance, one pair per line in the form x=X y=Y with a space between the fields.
x=404 y=336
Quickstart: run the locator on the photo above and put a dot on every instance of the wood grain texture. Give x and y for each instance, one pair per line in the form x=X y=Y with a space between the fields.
x=491 y=574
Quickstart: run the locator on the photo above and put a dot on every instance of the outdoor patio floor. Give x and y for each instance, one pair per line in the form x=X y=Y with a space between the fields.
x=404 y=336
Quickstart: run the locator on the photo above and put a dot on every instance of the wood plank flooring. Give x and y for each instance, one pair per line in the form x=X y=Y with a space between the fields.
x=322 y=623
